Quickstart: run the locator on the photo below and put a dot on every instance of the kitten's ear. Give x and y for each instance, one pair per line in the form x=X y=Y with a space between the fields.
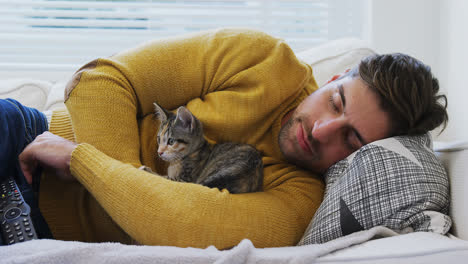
x=160 y=113
x=186 y=119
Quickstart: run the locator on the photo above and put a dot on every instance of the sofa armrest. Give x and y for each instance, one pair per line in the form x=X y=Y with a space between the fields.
x=454 y=157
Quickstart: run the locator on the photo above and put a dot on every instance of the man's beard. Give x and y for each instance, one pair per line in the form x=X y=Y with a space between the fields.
x=283 y=134
x=283 y=137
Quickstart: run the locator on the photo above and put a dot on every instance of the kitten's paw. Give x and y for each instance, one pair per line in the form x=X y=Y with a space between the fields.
x=147 y=169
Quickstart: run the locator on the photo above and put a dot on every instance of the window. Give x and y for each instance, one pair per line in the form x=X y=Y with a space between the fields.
x=60 y=36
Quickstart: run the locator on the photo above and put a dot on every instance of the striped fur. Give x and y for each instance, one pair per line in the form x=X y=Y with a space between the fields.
x=233 y=166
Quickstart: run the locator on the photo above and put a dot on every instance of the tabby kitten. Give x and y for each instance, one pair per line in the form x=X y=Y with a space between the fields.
x=234 y=166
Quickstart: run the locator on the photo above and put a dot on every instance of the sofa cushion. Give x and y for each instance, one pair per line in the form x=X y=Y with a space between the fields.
x=454 y=157
x=395 y=182
x=334 y=57
x=40 y=94
x=30 y=92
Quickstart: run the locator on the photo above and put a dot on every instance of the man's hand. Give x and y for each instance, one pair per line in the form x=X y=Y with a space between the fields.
x=50 y=152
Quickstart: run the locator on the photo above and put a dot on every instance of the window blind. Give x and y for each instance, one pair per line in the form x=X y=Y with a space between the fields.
x=60 y=35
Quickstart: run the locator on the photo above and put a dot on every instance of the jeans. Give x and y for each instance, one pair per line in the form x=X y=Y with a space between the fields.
x=19 y=126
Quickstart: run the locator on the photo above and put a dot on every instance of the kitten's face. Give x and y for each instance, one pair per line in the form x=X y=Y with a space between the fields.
x=178 y=135
x=172 y=144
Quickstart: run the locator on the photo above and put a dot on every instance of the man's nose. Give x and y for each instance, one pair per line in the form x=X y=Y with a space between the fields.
x=325 y=130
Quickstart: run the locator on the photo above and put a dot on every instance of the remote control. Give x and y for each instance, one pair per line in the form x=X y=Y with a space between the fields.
x=16 y=223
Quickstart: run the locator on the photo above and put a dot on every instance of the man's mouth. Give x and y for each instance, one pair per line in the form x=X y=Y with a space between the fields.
x=302 y=139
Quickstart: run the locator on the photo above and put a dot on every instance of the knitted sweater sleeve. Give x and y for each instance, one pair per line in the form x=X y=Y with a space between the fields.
x=107 y=97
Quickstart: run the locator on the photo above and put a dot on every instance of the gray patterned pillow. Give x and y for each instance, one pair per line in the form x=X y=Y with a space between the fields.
x=395 y=182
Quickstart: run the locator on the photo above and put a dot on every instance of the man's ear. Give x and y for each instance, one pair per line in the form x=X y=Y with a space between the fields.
x=161 y=113
x=337 y=76
x=185 y=118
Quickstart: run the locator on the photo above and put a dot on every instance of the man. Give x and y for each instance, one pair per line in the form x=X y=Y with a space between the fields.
x=245 y=86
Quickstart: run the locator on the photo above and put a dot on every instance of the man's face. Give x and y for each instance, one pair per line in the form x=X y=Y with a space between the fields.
x=332 y=123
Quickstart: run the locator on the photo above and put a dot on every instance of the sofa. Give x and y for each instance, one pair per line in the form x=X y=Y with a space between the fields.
x=376 y=245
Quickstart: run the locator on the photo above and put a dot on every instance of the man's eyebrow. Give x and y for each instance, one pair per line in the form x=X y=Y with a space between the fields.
x=343 y=100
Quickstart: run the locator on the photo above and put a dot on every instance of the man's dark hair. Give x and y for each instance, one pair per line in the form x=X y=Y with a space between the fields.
x=407 y=90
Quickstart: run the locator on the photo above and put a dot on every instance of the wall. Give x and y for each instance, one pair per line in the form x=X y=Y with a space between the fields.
x=434 y=32
x=410 y=27
x=453 y=64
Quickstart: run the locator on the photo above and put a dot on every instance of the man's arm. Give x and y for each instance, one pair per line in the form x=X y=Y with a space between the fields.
x=182 y=214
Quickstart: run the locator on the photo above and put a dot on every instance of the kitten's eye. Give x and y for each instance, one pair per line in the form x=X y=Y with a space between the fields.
x=170 y=141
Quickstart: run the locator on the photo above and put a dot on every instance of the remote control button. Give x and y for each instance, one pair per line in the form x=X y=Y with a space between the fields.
x=11 y=242
x=21 y=238
x=17 y=228
x=27 y=229
x=30 y=234
x=12 y=213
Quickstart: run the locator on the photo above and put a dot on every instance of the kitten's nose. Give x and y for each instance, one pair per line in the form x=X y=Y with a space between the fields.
x=160 y=153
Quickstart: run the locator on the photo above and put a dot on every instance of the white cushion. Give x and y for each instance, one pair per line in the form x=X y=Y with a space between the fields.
x=30 y=92
x=454 y=157
x=40 y=94
x=335 y=57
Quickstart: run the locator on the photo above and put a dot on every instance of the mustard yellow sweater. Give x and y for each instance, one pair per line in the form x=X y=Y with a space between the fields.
x=239 y=83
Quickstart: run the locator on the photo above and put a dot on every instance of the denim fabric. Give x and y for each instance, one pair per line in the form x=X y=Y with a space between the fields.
x=19 y=125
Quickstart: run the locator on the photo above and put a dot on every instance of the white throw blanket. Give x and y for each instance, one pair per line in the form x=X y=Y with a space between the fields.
x=56 y=251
